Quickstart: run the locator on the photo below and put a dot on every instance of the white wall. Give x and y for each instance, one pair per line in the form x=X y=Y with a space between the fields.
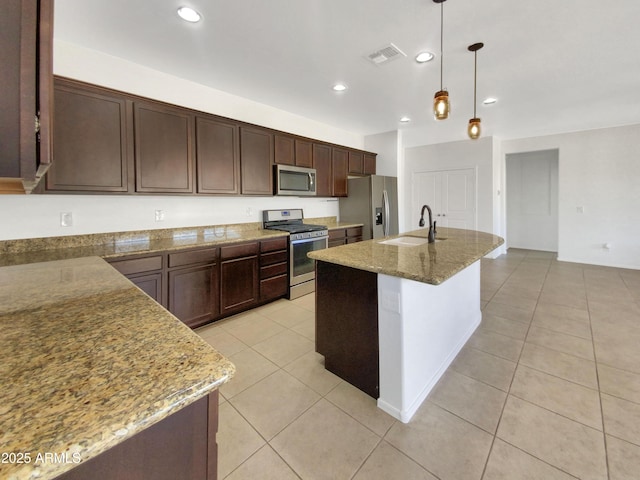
x=30 y=216
x=599 y=170
x=386 y=146
x=39 y=215
x=477 y=154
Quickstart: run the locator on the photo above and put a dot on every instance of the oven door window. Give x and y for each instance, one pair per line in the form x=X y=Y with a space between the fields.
x=301 y=264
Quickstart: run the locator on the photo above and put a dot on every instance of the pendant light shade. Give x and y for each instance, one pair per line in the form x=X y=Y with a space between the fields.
x=441 y=106
x=473 y=129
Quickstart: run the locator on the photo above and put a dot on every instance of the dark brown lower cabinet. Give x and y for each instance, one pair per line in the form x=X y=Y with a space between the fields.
x=342 y=236
x=274 y=269
x=146 y=272
x=182 y=446
x=347 y=324
x=200 y=285
x=193 y=286
x=238 y=278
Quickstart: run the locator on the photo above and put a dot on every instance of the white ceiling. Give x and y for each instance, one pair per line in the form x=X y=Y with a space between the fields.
x=555 y=66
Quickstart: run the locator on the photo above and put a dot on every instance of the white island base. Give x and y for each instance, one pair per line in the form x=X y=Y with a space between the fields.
x=421 y=328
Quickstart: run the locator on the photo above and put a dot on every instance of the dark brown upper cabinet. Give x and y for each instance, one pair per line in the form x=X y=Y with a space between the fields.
x=93 y=140
x=356 y=163
x=292 y=151
x=256 y=159
x=304 y=153
x=340 y=168
x=26 y=76
x=369 y=167
x=217 y=156
x=163 y=148
x=284 y=150
x=322 y=164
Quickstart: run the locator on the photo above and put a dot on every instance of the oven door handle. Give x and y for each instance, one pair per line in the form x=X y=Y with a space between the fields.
x=307 y=240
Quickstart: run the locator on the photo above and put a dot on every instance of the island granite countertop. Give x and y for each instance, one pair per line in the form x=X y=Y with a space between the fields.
x=89 y=360
x=433 y=263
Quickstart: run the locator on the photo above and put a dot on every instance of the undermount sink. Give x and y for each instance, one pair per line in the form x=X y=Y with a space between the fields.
x=406 y=241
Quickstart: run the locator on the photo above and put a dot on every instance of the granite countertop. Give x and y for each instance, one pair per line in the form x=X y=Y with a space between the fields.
x=336 y=225
x=110 y=245
x=88 y=360
x=428 y=263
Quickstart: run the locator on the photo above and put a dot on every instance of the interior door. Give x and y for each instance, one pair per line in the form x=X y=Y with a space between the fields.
x=451 y=194
x=458 y=207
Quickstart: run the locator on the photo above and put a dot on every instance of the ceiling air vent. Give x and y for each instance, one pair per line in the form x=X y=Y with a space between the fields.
x=386 y=54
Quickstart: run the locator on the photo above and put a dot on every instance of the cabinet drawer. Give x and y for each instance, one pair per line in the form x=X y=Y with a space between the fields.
x=242 y=250
x=354 y=232
x=336 y=243
x=138 y=265
x=273 y=270
x=274 y=244
x=273 y=287
x=271 y=258
x=353 y=239
x=204 y=255
x=336 y=233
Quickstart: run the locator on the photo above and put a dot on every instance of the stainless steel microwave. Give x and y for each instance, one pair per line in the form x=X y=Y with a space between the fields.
x=298 y=181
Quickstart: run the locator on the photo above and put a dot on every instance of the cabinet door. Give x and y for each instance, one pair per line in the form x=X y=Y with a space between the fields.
x=93 y=140
x=164 y=148
x=256 y=158
x=356 y=163
x=150 y=284
x=322 y=164
x=304 y=154
x=238 y=284
x=340 y=168
x=369 y=167
x=193 y=294
x=284 y=150
x=217 y=156
x=26 y=46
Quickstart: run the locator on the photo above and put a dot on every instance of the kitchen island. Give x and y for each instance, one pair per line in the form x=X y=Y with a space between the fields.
x=392 y=313
x=99 y=381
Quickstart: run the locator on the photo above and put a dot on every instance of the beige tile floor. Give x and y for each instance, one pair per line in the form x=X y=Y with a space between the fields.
x=548 y=387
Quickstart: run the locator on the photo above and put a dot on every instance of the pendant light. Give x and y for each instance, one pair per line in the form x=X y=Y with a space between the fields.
x=473 y=129
x=441 y=106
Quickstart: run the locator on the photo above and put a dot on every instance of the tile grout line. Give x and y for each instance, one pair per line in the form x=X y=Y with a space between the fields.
x=595 y=356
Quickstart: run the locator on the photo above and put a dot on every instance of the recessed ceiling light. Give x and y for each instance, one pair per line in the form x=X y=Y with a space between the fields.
x=339 y=87
x=405 y=120
x=424 y=57
x=489 y=101
x=189 y=14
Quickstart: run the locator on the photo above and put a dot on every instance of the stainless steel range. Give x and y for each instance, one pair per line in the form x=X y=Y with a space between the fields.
x=303 y=238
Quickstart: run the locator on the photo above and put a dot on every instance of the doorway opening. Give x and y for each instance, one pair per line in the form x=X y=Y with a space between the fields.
x=532 y=200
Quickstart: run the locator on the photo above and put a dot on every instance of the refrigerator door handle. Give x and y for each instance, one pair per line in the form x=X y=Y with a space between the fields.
x=385 y=219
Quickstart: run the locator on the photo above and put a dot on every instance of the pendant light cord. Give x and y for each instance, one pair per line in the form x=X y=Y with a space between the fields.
x=475 y=75
x=441 y=41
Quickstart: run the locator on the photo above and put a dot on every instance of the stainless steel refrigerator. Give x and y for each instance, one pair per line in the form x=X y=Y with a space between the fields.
x=372 y=201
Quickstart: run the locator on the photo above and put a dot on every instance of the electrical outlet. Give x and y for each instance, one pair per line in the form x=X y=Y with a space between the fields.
x=159 y=215
x=66 y=219
x=249 y=212
x=579 y=209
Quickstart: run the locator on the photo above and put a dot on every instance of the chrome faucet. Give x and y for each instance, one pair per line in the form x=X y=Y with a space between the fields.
x=432 y=225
